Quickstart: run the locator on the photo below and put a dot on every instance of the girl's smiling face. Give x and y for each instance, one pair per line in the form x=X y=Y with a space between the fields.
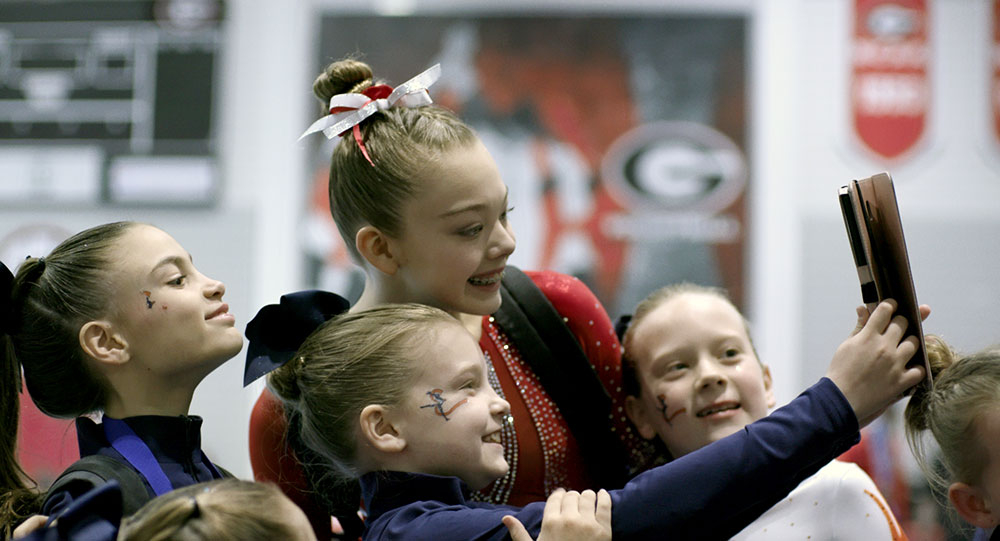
x=171 y=316
x=456 y=237
x=699 y=377
x=451 y=417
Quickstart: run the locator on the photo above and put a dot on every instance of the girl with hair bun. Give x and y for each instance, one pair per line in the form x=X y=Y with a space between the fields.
x=422 y=209
x=962 y=413
x=117 y=321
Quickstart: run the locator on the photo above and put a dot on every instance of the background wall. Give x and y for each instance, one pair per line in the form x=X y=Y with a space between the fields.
x=800 y=288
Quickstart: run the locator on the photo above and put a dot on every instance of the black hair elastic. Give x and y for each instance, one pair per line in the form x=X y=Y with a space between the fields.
x=622 y=325
x=195 y=510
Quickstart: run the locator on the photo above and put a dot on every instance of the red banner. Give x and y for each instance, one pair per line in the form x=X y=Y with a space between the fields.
x=890 y=90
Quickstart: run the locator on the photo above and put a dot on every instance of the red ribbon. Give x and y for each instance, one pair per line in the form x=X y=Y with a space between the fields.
x=376 y=92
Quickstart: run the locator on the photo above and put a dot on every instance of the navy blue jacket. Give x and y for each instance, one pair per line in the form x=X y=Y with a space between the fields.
x=983 y=535
x=174 y=441
x=712 y=493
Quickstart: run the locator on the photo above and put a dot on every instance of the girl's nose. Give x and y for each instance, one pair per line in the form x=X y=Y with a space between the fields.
x=710 y=375
x=503 y=242
x=499 y=406
x=214 y=288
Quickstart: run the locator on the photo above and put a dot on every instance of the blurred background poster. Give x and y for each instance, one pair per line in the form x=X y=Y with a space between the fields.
x=105 y=101
x=621 y=139
x=104 y=105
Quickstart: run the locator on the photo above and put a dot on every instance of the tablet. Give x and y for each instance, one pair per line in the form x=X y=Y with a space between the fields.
x=876 y=236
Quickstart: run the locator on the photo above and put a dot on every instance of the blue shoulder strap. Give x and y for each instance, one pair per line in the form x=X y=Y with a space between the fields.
x=137 y=453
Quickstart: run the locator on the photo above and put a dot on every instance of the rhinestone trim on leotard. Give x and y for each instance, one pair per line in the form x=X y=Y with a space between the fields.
x=552 y=429
x=499 y=491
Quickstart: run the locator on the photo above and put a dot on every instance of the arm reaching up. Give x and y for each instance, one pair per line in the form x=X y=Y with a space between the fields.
x=870 y=368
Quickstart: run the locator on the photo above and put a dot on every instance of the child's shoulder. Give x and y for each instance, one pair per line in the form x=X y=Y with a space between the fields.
x=568 y=294
x=92 y=472
x=838 y=475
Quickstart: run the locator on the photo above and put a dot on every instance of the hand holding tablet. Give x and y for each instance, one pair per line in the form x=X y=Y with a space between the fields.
x=876 y=235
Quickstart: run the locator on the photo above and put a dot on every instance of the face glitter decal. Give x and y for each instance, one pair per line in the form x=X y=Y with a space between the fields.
x=663 y=410
x=438 y=404
x=149 y=302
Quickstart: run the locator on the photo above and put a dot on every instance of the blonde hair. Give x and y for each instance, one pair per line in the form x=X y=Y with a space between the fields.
x=401 y=143
x=353 y=360
x=225 y=509
x=964 y=389
x=653 y=301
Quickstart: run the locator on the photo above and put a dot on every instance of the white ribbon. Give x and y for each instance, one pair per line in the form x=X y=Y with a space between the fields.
x=412 y=93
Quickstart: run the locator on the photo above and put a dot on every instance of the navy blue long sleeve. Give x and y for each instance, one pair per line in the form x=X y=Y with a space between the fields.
x=711 y=493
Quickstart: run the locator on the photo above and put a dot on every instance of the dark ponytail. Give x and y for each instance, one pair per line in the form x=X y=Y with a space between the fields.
x=52 y=299
x=19 y=497
x=42 y=308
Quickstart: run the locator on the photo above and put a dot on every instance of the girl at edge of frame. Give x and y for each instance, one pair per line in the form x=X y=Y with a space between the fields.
x=962 y=414
x=117 y=320
x=398 y=396
x=220 y=510
x=422 y=208
x=20 y=497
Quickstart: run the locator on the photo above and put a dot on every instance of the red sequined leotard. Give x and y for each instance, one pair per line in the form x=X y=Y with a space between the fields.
x=542 y=453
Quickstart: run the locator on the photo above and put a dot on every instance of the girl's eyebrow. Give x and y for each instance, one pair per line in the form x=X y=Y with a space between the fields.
x=660 y=361
x=470 y=208
x=171 y=260
x=464 y=372
x=473 y=207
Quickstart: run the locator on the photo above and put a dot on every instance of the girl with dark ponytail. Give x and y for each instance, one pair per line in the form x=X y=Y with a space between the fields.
x=116 y=321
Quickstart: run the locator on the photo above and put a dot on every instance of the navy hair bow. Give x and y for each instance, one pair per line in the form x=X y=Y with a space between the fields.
x=277 y=331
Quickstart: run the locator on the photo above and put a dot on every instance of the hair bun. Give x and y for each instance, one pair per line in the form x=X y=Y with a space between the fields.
x=341 y=77
x=940 y=357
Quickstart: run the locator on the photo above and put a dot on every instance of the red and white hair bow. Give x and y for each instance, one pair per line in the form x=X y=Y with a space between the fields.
x=347 y=111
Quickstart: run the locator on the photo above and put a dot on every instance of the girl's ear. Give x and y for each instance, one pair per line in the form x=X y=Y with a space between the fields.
x=972 y=505
x=99 y=340
x=636 y=411
x=376 y=247
x=768 y=386
x=379 y=431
